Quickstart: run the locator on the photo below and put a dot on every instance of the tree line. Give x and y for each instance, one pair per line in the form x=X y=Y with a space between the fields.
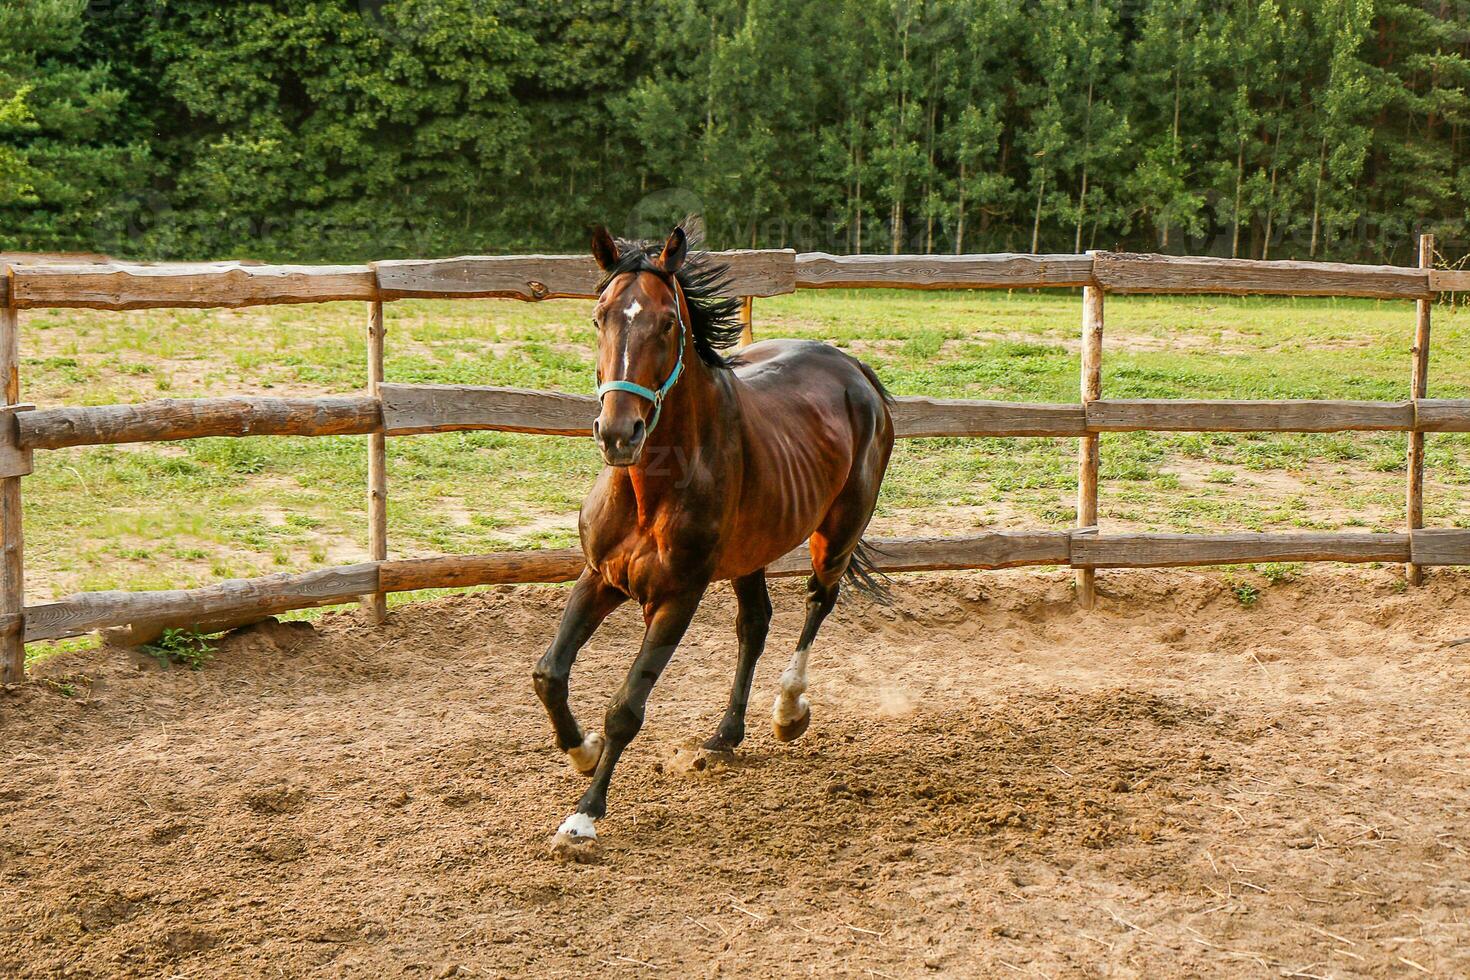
x=359 y=129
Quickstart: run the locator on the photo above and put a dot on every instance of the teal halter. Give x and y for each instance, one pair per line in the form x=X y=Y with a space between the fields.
x=654 y=395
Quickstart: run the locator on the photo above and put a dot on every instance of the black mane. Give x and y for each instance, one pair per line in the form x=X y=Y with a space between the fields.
x=713 y=318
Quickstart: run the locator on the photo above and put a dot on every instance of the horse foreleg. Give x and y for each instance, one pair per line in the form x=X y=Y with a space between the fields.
x=752 y=623
x=792 y=713
x=591 y=602
x=667 y=621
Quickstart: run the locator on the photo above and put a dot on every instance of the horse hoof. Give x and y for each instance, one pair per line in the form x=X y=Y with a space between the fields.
x=586 y=756
x=576 y=840
x=719 y=745
x=791 y=731
x=575 y=849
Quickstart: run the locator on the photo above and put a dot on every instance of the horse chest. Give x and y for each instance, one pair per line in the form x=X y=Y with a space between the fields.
x=648 y=552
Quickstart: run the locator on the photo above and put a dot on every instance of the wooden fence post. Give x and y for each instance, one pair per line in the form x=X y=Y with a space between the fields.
x=747 y=330
x=1419 y=388
x=377 y=604
x=1087 y=453
x=12 y=541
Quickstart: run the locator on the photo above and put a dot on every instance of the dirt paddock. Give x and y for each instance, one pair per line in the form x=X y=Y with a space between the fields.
x=1000 y=785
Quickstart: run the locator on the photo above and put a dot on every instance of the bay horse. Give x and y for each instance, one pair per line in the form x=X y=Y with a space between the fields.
x=716 y=467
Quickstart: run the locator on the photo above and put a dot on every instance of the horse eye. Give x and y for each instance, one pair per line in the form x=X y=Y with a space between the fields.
x=596 y=324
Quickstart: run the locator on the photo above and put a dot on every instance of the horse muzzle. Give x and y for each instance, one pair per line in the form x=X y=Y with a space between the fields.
x=620 y=440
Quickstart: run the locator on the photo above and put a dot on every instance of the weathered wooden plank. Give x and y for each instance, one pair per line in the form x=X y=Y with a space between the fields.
x=183 y=607
x=1440 y=546
x=242 y=600
x=157 y=421
x=1165 y=415
x=992 y=549
x=1007 y=270
x=1442 y=414
x=753 y=272
x=411 y=409
x=1129 y=272
x=920 y=417
x=1162 y=550
x=1449 y=280
x=996 y=549
x=501 y=568
x=123 y=286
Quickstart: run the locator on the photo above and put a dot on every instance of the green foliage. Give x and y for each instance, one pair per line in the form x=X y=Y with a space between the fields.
x=1245 y=593
x=353 y=129
x=182 y=646
x=1278 y=572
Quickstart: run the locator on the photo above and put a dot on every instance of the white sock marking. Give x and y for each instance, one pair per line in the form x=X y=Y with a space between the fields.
x=586 y=755
x=578 y=825
x=791 y=704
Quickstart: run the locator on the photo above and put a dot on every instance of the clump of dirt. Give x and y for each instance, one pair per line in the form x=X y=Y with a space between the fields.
x=994 y=783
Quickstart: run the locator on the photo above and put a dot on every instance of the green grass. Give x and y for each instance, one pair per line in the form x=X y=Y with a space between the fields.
x=185 y=514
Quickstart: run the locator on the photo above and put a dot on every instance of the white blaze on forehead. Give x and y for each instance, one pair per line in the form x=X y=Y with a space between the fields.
x=632 y=310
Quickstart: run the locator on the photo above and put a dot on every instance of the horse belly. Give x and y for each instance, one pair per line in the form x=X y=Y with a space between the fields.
x=784 y=500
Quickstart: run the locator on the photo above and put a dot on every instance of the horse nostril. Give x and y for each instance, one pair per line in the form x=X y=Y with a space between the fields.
x=639 y=431
x=597 y=428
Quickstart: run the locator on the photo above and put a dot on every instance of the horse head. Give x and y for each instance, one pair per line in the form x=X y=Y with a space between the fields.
x=641 y=336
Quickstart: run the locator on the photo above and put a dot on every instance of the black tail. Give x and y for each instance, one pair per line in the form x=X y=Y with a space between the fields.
x=864 y=576
x=872 y=376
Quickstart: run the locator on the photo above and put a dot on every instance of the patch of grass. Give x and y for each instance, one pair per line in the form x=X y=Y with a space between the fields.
x=70 y=685
x=183 y=647
x=1245 y=593
x=1278 y=572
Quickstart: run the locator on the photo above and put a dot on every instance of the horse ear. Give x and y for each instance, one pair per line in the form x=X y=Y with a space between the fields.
x=604 y=249
x=672 y=257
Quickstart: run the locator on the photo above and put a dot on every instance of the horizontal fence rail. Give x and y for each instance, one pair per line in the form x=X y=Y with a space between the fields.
x=415 y=409
x=113 y=285
x=408 y=409
x=752 y=272
x=1125 y=272
x=194 y=418
x=134 y=286
x=818 y=270
x=124 y=286
x=243 y=600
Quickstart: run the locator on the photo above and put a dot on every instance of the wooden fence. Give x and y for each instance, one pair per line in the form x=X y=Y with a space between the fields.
x=387 y=409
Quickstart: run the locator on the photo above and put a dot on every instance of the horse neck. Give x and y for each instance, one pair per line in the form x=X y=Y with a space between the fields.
x=688 y=426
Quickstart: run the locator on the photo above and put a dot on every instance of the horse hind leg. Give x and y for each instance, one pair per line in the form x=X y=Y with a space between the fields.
x=792 y=713
x=832 y=548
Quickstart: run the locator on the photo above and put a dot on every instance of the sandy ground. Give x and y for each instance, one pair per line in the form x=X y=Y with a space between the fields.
x=995 y=785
